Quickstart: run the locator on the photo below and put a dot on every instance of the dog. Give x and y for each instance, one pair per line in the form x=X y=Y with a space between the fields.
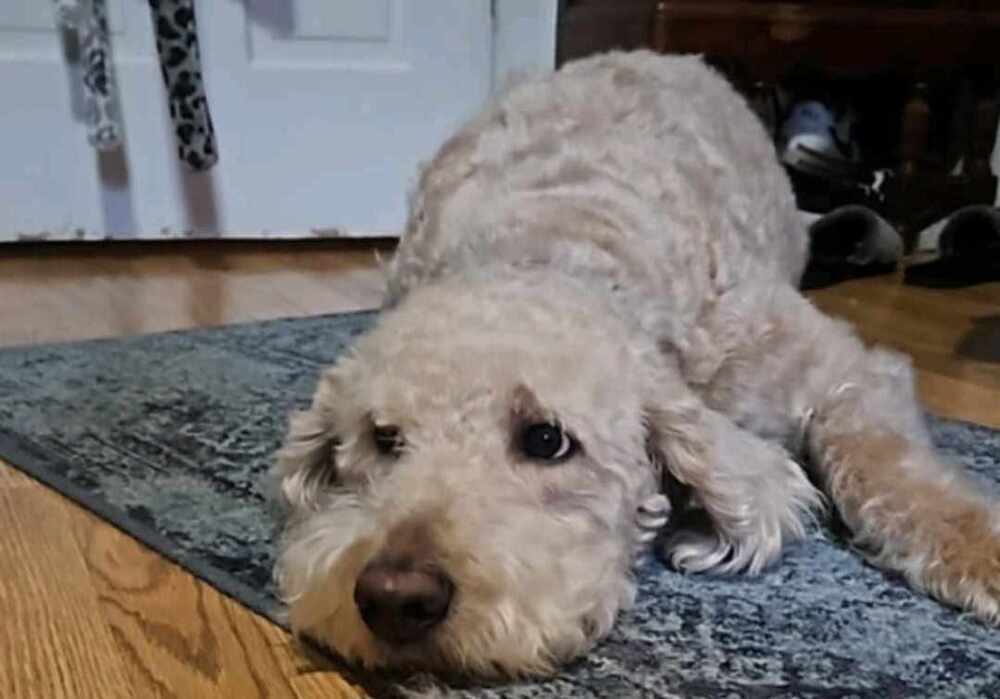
x=592 y=333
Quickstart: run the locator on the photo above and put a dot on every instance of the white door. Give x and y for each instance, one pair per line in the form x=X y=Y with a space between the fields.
x=322 y=111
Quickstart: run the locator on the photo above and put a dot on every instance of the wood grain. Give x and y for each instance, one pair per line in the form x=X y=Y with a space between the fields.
x=178 y=637
x=54 y=639
x=74 y=292
x=86 y=611
x=119 y=620
x=953 y=337
x=96 y=613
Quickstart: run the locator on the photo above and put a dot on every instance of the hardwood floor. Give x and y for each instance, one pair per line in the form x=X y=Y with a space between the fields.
x=952 y=336
x=89 y=612
x=69 y=292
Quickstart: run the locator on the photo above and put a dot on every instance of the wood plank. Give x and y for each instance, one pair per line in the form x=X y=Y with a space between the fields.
x=178 y=636
x=961 y=400
x=952 y=336
x=310 y=675
x=71 y=292
x=54 y=642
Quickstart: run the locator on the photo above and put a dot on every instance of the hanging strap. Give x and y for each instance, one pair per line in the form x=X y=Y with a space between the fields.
x=88 y=20
x=180 y=65
x=68 y=13
x=104 y=120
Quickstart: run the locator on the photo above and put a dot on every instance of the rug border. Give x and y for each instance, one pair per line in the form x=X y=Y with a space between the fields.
x=24 y=455
x=38 y=463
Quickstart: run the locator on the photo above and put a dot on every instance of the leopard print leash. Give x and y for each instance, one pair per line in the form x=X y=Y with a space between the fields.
x=88 y=19
x=180 y=65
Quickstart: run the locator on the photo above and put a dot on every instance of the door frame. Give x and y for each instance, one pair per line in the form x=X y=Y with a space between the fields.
x=524 y=38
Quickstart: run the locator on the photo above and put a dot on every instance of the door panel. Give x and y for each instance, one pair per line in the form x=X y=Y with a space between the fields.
x=322 y=112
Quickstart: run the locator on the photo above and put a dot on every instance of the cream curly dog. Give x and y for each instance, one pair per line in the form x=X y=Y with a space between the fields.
x=594 y=307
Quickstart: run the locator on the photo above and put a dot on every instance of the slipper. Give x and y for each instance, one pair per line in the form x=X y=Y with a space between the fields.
x=850 y=242
x=969 y=247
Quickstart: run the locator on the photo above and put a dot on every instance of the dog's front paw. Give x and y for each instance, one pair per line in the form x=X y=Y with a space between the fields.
x=696 y=551
x=697 y=546
x=652 y=516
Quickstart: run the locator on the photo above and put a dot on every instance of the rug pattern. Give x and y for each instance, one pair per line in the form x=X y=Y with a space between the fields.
x=168 y=436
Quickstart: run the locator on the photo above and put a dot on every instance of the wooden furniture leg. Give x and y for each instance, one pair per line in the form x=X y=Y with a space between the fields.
x=983 y=135
x=659 y=36
x=916 y=125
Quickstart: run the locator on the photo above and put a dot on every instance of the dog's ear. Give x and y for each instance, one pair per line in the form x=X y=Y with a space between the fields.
x=754 y=495
x=671 y=442
x=686 y=447
x=306 y=463
x=682 y=444
x=674 y=421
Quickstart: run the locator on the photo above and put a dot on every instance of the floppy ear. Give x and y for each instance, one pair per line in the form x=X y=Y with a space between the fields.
x=306 y=462
x=676 y=447
x=679 y=433
x=755 y=496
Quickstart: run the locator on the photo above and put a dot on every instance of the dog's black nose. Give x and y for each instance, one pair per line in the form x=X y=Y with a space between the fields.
x=401 y=604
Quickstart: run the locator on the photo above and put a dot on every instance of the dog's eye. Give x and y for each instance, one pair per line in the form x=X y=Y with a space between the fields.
x=388 y=439
x=547 y=441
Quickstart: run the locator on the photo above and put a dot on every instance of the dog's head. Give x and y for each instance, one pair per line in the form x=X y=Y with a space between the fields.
x=463 y=490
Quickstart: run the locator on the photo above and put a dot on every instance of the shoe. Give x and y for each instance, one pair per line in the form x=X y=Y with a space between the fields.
x=814 y=141
x=969 y=246
x=850 y=243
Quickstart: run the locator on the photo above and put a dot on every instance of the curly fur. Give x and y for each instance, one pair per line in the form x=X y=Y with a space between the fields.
x=614 y=248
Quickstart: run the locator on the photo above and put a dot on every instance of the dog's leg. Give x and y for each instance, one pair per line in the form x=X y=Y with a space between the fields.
x=789 y=371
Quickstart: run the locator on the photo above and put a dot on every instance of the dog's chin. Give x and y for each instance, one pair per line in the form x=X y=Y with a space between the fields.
x=497 y=649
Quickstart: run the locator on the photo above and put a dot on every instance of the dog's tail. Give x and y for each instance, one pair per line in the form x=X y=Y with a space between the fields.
x=913 y=511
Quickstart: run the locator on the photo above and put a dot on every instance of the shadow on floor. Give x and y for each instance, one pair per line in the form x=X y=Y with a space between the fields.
x=982 y=342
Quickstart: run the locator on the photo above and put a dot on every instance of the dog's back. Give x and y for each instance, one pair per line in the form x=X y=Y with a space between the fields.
x=648 y=171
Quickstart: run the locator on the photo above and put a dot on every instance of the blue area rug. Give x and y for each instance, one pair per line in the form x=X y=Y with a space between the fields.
x=167 y=437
